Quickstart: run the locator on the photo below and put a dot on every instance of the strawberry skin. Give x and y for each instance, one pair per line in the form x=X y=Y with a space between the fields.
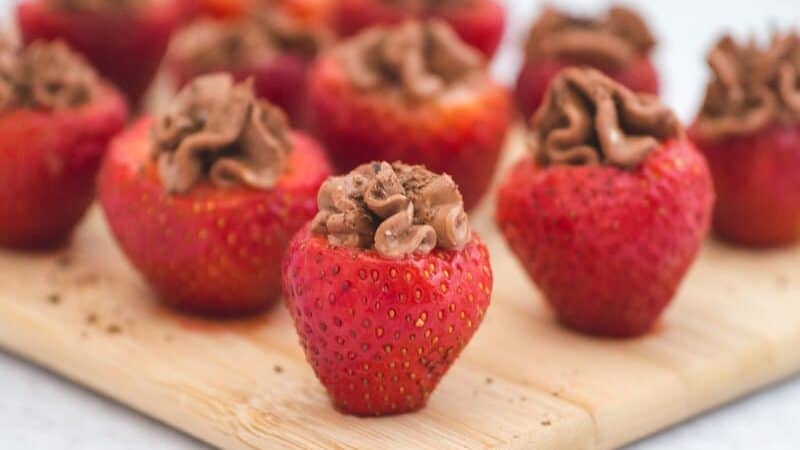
x=608 y=247
x=211 y=251
x=534 y=78
x=380 y=333
x=480 y=24
x=48 y=163
x=126 y=49
x=757 y=180
x=461 y=138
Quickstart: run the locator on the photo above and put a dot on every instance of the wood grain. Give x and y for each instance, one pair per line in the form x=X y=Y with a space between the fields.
x=523 y=382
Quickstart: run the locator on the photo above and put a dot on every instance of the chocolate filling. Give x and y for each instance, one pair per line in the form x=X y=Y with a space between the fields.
x=397 y=209
x=107 y=6
x=751 y=87
x=212 y=44
x=217 y=130
x=587 y=118
x=420 y=60
x=612 y=40
x=45 y=75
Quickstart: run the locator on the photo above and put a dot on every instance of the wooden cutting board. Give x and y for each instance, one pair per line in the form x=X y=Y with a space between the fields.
x=523 y=382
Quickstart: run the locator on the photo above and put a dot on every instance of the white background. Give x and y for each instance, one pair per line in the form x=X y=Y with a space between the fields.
x=40 y=411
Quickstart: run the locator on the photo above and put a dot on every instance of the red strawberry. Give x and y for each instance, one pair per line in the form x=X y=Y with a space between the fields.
x=217 y=247
x=273 y=49
x=126 y=47
x=48 y=161
x=749 y=130
x=608 y=248
x=616 y=42
x=612 y=211
x=480 y=23
x=534 y=78
x=757 y=180
x=56 y=118
x=380 y=333
x=461 y=135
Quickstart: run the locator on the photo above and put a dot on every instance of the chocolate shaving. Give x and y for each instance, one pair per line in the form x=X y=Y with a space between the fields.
x=396 y=209
x=421 y=60
x=218 y=130
x=45 y=75
x=751 y=87
x=612 y=40
x=587 y=119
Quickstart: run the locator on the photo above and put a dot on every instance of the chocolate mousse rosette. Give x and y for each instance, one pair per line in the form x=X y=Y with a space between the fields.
x=479 y=23
x=617 y=42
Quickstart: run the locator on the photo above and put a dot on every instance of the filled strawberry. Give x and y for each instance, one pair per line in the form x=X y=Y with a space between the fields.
x=386 y=286
x=611 y=207
x=270 y=47
x=204 y=198
x=618 y=43
x=479 y=23
x=56 y=117
x=749 y=130
x=414 y=93
x=124 y=39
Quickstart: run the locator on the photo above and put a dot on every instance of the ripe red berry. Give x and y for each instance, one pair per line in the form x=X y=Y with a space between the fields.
x=212 y=250
x=380 y=333
x=48 y=164
x=608 y=247
x=757 y=181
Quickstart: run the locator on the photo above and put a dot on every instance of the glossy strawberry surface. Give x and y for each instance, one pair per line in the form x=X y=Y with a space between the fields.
x=48 y=164
x=608 y=247
x=380 y=333
x=212 y=250
x=757 y=179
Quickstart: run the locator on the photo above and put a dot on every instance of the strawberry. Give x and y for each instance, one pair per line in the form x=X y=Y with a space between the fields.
x=461 y=135
x=381 y=329
x=757 y=180
x=749 y=130
x=124 y=46
x=479 y=23
x=607 y=238
x=617 y=43
x=217 y=246
x=50 y=154
x=273 y=49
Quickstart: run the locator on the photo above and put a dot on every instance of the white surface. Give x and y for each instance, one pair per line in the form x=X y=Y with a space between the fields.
x=40 y=411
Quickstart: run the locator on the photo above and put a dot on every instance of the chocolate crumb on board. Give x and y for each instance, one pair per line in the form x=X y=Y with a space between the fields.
x=54 y=299
x=91 y=318
x=277 y=369
x=64 y=260
x=113 y=329
x=489 y=380
x=545 y=423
